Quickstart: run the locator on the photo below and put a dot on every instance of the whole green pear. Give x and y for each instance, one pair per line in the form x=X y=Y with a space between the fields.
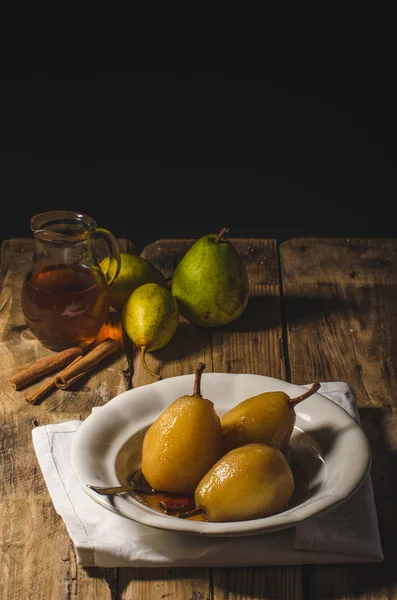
x=134 y=272
x=150 y=319
x=210 y=282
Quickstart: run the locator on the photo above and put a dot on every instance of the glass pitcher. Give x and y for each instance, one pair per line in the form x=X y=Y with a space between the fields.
x=64 y=296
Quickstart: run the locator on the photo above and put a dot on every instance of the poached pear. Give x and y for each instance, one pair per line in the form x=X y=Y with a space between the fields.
x=249 y=482
x=183 y=443
x=210 y=282
x=150 y=319
x=266 y=418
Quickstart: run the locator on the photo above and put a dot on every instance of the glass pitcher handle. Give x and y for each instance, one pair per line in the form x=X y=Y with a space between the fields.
x=114 y=252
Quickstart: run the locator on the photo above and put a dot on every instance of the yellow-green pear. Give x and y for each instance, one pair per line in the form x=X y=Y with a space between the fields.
x=249 y=482
x=183 y=443
x=266 y=418
x=134 y=272
x=210 y=282
x=150 y=319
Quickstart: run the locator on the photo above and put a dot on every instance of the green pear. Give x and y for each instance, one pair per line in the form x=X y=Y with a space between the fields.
x=249 y=482
x=150 y=319
x=183 y=443
x=210 y=282
x=134 y=272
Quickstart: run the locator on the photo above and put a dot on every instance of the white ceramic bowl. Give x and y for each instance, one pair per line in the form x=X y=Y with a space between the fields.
x=329 y=448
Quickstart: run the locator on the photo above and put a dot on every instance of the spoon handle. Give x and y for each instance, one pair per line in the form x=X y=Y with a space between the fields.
x=110 y=491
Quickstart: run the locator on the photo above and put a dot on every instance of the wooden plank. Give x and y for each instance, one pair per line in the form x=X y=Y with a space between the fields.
x=252 y=344
x=181 y=356
x=37 y=558
x=342 y=293
x=340 y=303
x=178 y=584
x=28 y=523
x=36 y=555
x=366 y=582
x=258 y=583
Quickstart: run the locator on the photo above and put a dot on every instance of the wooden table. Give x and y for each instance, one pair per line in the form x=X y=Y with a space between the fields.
x=321 y=309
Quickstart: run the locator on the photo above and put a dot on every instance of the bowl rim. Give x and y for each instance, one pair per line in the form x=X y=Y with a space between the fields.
x=103 y=419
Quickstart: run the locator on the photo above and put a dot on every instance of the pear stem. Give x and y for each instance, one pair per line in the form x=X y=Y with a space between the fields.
x=191 y=513
x=316 y=386
x=221 y=234
x=197 y=380
x=143 y=358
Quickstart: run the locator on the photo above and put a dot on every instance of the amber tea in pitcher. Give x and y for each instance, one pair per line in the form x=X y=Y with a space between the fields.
x=64 y=298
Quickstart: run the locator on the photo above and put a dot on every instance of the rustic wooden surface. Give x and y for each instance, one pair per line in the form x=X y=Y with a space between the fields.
x=340 y=306
x=319 y=309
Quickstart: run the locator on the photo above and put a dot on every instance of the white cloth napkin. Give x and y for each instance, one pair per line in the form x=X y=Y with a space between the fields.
x=348 y=534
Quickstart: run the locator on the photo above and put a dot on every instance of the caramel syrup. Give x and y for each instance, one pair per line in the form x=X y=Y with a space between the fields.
x=154 y=499
x=65 y=305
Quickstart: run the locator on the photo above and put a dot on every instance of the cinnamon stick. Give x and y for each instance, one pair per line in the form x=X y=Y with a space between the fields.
x=42 y=391
x=85 y=363
x=37 y=394
x=174 y=505
x=44 y=367
x=75 y=370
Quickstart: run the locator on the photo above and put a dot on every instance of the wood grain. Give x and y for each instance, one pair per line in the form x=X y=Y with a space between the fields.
x=332 y=317
x=145 y=584
x=340 y=305
x=343 y=294
x=36 y=555
x=258 y=583
x=252 y=344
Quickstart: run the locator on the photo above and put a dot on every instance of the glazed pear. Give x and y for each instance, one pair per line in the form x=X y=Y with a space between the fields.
x=250 y=482
x=210 y=282
x=183 y=443
x=267 y=418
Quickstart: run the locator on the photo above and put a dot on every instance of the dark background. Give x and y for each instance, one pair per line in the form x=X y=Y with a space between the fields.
x=153 y=155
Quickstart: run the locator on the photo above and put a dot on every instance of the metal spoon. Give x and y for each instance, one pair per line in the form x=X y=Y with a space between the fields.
x=112 y=491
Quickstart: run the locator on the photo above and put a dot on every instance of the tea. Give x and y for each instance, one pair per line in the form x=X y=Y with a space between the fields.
x=65 y=305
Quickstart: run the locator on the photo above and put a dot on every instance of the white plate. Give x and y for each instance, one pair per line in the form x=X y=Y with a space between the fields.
x=329 y=448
